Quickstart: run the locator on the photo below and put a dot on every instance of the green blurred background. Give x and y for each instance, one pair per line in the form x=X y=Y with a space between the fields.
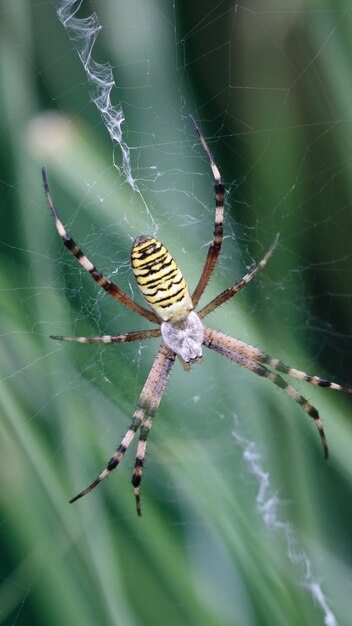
x=270 y=85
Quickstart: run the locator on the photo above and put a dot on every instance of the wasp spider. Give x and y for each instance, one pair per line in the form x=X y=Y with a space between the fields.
x=183 y=333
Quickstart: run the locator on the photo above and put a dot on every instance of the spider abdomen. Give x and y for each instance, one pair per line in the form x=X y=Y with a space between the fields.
x=160 y=279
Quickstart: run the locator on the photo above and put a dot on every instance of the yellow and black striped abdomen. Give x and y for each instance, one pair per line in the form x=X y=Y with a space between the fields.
x=159 y=279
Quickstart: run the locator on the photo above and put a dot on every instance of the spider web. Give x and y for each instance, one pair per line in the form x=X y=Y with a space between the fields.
x=114 y=84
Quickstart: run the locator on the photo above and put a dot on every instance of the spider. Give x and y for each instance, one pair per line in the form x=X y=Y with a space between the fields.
x=183 y=333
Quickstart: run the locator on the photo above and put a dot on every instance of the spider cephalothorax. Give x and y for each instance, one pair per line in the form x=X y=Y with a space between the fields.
x=184 y=336
x=183 y=333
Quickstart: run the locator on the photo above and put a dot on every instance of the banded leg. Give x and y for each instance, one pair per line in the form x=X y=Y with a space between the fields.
x=146 y=426
x=144 y=402
x=105 y=283
x=263 y=357
x=231 y=291
x=215 y=246
x=263 y=371
x=134 y=335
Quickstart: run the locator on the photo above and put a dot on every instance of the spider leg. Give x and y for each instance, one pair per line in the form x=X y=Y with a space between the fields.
x=263 y=357
x=105 y=283
x=231 y=291
x=146 y=426
x=263 y=371
x=134 y=335
x=162 y=360
x=215 y=246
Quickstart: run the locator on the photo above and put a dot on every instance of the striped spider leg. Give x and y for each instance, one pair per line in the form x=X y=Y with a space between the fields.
x=156 y=396
x=231 y=291
x=254 y=359
x=147 y=406
x=105 y=283
x=134 y=335
x=215 y=246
